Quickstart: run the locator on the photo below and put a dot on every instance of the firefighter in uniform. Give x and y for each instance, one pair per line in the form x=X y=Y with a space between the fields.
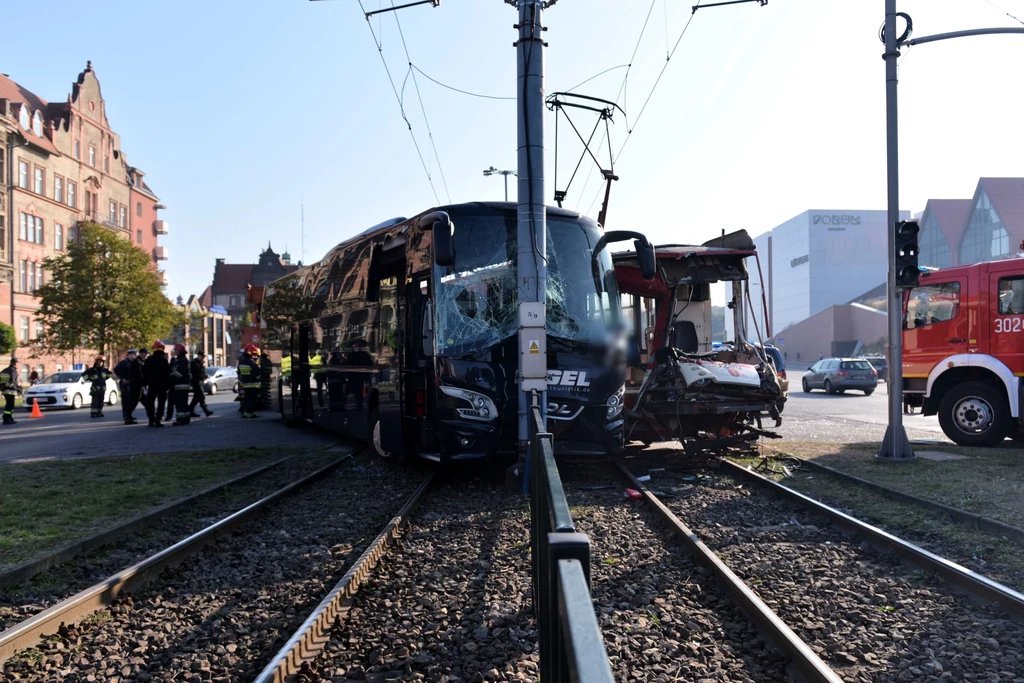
x=198 y=369
x=97 y=376
x=155 y=373
x=10 y=387
x=249 y=377
x=180 y=384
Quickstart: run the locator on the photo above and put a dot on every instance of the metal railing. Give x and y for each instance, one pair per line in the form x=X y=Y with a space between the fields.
x=571 y=647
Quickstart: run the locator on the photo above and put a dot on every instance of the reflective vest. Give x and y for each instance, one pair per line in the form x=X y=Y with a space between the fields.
x=248 y=373
x=98 y=378
x=9 y=381
x=180 y=373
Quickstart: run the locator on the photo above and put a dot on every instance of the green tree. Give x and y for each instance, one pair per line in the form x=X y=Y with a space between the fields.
x=8 y=341
x=103 y=295
x=283 y=303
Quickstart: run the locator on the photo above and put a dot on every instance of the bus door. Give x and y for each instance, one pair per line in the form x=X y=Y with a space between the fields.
x=418 y=377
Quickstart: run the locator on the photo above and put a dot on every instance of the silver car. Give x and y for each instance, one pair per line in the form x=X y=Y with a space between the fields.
x=220 y=379
x=836 y=375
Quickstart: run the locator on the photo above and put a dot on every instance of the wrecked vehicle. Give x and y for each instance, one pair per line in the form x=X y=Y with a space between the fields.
x=679 y=386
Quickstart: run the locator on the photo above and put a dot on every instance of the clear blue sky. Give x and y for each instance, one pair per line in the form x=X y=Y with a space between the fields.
x=236 y=109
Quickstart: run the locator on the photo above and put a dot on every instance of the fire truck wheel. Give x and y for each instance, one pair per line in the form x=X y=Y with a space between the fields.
x=975 y=414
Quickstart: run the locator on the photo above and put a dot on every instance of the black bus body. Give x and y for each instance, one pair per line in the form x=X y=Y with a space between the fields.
x=420 y=359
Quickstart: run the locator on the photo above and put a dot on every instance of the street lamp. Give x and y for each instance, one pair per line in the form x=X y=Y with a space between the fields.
x=895 y=445
x=493 y=171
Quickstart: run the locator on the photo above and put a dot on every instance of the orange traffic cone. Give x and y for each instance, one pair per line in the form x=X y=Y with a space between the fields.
x=35 y=409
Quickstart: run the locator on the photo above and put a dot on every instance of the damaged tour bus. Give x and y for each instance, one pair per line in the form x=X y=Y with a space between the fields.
x=679 y=387
x=405 y=336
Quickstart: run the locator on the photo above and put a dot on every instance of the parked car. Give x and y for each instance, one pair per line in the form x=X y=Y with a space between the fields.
x=66 y=390
x=836 y=375
x=881 y=366
x=220 y=379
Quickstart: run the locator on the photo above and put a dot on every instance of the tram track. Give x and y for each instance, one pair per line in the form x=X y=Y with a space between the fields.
x=214 y=608
x=844 y=587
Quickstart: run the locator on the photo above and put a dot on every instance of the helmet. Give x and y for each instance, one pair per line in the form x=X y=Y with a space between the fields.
x=100 y=357
x=252 y=349
x=179 y=348
x=157 y=345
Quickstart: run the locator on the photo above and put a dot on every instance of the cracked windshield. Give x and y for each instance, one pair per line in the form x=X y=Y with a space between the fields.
x=477 y=298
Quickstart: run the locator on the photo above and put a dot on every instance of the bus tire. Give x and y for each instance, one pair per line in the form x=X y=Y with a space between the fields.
x=975 y=414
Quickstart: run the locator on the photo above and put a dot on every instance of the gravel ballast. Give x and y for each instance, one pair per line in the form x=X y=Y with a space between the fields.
x=867 y=615
x=55 y=584
x=663 y=616
x=223 y=613
x=450 y=602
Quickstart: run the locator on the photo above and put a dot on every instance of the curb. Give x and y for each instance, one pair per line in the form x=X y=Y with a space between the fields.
x=26 y=570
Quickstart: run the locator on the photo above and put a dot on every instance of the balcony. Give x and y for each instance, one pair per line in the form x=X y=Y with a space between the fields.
x=160 y=253
x=163 y=278
x=160 y=227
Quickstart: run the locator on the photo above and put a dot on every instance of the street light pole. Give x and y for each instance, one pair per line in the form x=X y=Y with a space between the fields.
x=895 y=446
x=494 y=171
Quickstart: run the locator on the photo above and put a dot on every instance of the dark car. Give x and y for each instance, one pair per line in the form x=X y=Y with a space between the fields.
x=220 y=379
x=836 y=375
x=881 y=366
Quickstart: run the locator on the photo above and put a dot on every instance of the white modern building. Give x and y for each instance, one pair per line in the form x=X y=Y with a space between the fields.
x=816 y=260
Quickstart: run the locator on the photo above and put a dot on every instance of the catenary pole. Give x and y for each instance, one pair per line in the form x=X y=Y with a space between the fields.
x=531 y=232
x=895 y=445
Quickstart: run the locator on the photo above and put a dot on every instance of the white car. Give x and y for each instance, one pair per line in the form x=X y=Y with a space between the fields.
x=66 y=390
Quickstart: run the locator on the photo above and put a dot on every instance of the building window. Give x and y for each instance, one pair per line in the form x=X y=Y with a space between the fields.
x=24 y=275
x=31 y=277
x=106 y=164
x=23 y=175
x=24 y=337
x=138 y=236
x=72 y=234
x=78 y=149
x=985 y=237
x=234 y=301
x=113 y=211
x=71 y=195
x=31 y=228
x=37 y=124
x=138 y=208
x=92 y=156
x=58 y=237
x=23 y=116
x=58 y=188
x=39 y=335
x=40 y=181
x=39 y=275
x=24 y=374
x=3 y=235
x=3 y=168
x=122 y=218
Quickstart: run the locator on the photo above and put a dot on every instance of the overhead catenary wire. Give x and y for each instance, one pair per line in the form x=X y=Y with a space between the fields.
x=398 y=98
x=459 y=90
x=423 y=109
x=1004 y=11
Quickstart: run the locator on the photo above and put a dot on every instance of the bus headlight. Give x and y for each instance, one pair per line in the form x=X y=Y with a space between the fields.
x=615 y=402
x=480 y=408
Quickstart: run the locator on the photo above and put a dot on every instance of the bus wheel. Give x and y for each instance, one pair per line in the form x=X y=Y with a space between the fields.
x=975 y=414
x=375 y=436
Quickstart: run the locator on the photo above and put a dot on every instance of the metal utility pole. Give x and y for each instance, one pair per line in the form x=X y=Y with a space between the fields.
x=531 y=233
x=494 y=171
x=895 y=445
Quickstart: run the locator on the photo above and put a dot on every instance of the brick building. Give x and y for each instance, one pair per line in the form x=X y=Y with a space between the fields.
x=231 y=282
x=62 y=164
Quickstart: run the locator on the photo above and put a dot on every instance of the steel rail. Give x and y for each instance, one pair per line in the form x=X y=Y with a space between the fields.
x=309 y=639
x=26 y=570
x=974 y=584
x=802 y=658
x=32 y=630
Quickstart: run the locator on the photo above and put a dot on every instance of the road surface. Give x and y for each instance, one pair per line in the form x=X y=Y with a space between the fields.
x=73 y=434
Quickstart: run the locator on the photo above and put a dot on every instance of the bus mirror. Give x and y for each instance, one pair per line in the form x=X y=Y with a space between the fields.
x=645 y=257
x=444 y=247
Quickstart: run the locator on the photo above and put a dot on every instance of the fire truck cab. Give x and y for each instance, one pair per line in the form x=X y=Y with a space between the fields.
x=963 y=350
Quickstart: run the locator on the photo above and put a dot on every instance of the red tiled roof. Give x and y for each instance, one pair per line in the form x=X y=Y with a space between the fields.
x=206 y=298
x=1007 y=197
x=10 y=90
x=951 y=215
x=231 y=278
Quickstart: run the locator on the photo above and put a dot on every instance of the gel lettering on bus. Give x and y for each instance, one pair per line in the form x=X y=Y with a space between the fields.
x=568 y=378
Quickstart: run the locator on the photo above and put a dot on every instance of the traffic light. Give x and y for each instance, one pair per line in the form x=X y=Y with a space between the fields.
x=906 y=266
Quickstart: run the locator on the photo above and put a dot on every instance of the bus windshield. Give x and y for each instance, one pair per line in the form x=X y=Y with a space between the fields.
x=477 y=298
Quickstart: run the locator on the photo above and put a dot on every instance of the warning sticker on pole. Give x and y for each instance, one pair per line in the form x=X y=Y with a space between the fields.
x=534 y=347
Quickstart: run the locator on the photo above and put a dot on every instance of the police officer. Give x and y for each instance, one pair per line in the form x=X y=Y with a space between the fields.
x=156 y=373
x=129 y=394
x=10 y=387
x=198 y=370
x=97 y=376
x=180 y=384
x=249 y=377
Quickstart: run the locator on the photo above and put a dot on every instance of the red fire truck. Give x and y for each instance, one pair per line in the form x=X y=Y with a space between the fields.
x=963 y=350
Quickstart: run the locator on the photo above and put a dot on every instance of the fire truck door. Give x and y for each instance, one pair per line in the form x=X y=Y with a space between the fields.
x=935 y=325
x=1006 y=319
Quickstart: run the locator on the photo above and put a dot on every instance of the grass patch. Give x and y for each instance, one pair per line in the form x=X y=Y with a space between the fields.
x=989 y=482
x=46 y=505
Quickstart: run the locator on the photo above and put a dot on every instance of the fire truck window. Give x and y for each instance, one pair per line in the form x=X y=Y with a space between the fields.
x=1011 y=296
x=932 y=304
